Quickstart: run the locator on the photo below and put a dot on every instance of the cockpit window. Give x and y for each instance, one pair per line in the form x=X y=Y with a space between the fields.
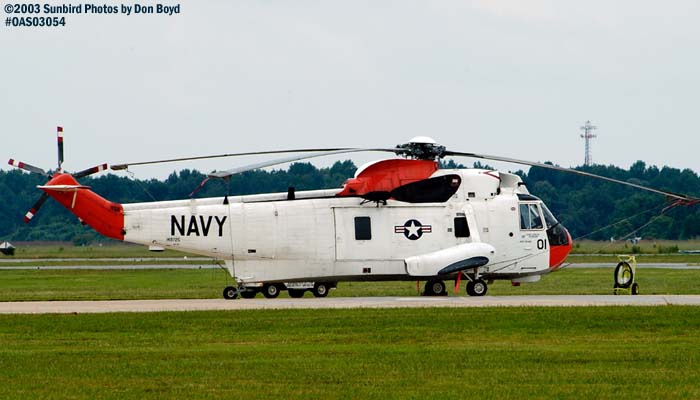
x=548 y=217
x=530 y=217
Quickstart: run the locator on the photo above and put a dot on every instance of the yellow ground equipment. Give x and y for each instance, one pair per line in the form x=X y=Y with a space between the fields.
x=625 y=272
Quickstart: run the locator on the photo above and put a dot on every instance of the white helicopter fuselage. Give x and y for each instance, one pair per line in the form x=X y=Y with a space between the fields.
x=313 y=236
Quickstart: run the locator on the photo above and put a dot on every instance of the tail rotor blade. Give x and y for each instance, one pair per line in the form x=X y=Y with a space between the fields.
x=59 y=137
x=35 y=208
x=27 y=167
x=90 y=171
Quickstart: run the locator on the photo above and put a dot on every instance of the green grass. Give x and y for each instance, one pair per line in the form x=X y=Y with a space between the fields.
x=644 y=246
x=108 y=262
x=542 y=353
x=641 y=258
x=26 y=285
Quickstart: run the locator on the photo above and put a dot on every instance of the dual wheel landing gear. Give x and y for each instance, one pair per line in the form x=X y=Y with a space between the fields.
x=435 y=288
x=475 y=287
x=270 y=291
x=273 y=290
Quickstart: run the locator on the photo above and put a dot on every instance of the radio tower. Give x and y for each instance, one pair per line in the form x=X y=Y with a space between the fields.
x=587 y=135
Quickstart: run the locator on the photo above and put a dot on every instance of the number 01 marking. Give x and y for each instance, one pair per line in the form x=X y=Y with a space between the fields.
x=541 y=244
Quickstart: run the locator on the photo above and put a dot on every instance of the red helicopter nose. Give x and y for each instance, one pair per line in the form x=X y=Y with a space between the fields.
x=558 y=253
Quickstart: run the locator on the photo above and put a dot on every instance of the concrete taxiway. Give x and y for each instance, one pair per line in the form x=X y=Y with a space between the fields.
x=80 y=307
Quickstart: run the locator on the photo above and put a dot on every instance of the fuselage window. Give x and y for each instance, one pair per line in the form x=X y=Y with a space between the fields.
x=530 y=217
x=461 y=227
x=363 y=228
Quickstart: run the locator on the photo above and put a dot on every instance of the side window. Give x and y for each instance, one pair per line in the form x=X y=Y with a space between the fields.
x=530 y=217
x=363 y=228
x=461 y=227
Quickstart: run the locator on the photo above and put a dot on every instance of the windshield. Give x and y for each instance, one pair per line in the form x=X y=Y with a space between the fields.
x=548 y=216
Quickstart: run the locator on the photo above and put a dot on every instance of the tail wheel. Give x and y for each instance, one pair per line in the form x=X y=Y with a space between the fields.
x=435 y=288
x=635 y=288
x=270 y=291
x=230 y=293
x=477 y=288
x=321 y=289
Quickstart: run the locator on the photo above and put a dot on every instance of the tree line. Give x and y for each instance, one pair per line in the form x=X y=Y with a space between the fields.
x=584 y=205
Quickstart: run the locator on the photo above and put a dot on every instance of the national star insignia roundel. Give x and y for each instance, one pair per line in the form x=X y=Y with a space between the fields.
x=413 y=229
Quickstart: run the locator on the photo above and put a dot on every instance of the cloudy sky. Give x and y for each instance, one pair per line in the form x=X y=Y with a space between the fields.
x=514 y=78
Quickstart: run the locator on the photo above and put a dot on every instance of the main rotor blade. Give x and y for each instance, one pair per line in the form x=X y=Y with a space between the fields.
x=90 y=171
x=35 y=208
x=270 y=163
x=570 y=171
x=116 y=167
x=27 y=167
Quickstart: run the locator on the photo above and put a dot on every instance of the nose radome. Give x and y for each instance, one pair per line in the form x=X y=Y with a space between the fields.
x=557 y=254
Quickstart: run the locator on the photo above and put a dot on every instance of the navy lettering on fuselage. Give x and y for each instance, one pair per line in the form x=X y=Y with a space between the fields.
x=195 y=226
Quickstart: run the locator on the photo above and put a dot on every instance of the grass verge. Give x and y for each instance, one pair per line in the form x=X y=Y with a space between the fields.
x=607 y=352
x=26 y=285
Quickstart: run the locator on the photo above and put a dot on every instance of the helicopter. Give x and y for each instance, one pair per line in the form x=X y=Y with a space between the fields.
x=397 y=219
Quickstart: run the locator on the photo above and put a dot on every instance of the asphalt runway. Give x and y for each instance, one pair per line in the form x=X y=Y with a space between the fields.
x=112 y=306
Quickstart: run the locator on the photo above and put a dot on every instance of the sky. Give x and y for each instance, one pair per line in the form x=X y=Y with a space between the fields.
x=511 y=78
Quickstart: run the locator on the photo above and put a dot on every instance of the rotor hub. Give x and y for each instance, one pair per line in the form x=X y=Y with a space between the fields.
x=421 y=148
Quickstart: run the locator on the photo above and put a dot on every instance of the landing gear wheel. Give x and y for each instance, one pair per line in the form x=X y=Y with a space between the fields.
x=296 y=293
x=477 y=288
x=435 y=288
x=270 y=291
x=635 y=288
x=321 y=289
x=249 y=293
x=230 y=293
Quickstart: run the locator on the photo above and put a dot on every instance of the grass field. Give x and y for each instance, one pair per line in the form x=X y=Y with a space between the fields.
x=541 y=353
x=24 y=285
x=643 y=247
